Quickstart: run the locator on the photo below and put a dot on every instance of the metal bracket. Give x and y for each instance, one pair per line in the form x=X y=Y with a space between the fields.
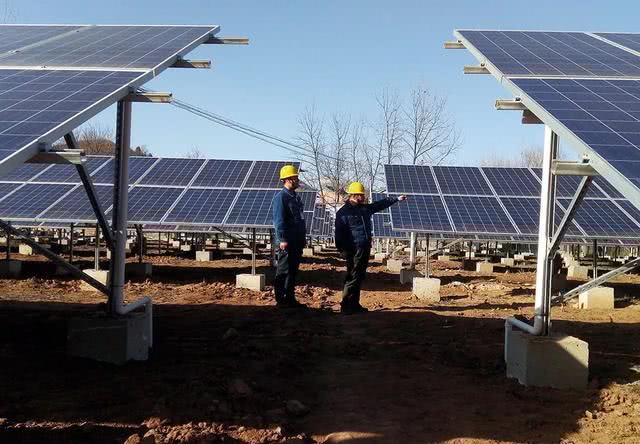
x=183 y=63
x=510 y=105
x=570 y=168
x=213 y=40
x=149 y=97
x=473 y=69
x=583 y=187
x=73 y=156
x=454 y=45
x=528 y=118
x=571 y=294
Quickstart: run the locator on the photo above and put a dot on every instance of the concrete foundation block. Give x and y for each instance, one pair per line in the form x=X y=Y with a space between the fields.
x=186 y=248
x=508 y=261
x=204 y=256
x=380 y=257
x=444 y=257
x=394 y=265
x=307 y=252
x=470 y=255
x=577 y=272
x=407 y=275
x=596 y=298
x=223 y=245
x=100 y=275
x=254 y=282
x=484 y=268
x=138 y=269
x=113 y=340
x=25 y=249
x=426 y=289
x=518 y=257
x=10 y=268
x=317 y=249
x=175 y=244
x=557 y=361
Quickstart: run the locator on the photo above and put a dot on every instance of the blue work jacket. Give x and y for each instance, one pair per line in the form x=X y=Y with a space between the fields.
x=288 y=218
x=353 y=223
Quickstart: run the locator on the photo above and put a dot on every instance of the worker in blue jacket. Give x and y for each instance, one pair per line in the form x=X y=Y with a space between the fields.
x=288 y=220
x=353 y=240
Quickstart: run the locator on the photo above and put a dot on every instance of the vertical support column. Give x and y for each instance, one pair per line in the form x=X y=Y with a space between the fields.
x=71 y=239
x=120 y=205
x=427 y=264
x=412 y=248
x=253 y=251
x=595 y=258
x=272 y=240
x=140 y=243
x=546 y=227
x=96 y=253
x=8 y=235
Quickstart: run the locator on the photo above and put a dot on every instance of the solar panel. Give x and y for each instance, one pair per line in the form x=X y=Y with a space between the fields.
x=67 y=173
x=538 y=53
x=75 y=207
x=137 y=167
x=478 y=215
x=526 y=215
x=512 y=181
x=602 y=218
x=6 y=188
x=132 y=47
x=267 y=174
x=25 y=172
x=382 y=227
x=462 y=180
x=629 y=208
x=202 y=206
x=421 y=213
x=13 y=37
x=30 y=200
x=308 y=199
x=566 y=186
x=608 y=188
x=219 y=173
x=150 y=204
x=629 y=40
x=253 y=208
x=409 y=179
x=172 y=172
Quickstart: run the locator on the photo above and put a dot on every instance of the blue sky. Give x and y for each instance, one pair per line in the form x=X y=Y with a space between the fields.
x=334 y=54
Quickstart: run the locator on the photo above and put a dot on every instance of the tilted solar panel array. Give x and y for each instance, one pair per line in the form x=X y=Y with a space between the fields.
x=585 y=86
x=54 y=78
x=381 y=222
x=500 y=201
x=164 y=191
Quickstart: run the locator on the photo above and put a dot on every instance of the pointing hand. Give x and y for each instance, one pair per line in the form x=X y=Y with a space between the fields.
x=401 y=198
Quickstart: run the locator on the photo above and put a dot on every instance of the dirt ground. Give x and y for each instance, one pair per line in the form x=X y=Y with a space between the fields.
x=228 y=366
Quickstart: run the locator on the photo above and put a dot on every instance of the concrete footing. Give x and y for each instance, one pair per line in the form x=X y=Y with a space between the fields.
x=484 y=268
x=307 y=252
x=426 y=289
x=577 y=272
x=25 y=249
x=10 y=268
x=394 y=265
x=470 y=255
x=380 y=257
x=186 y=248
x=317 y=249
x=557 y=361
x=508 y=261
x=138 y=269
x=113 y=340
x=518 y=257
x=444 y=257
x=204 y=256
x=101 y=276
x=254 y=282
x=597 y=298
x=407 y=275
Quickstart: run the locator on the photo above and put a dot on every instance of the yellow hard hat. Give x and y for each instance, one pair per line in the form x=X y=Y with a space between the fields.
x=288 y=171
x=355 y=188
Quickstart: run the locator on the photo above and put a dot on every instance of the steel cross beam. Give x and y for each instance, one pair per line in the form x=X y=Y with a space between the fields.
x=581 y=192
x=70 y=139
x=73 y=270
x=571 y=294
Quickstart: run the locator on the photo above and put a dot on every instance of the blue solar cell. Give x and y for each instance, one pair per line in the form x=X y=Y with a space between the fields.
x=633 y=211
x=13 y=37
x=67 y=173
x=308 y=199
x=526 y=215
x=198 y=206
x=421 y=213
x=172 y=172
x=75 y=207
x=512 y=181
x=382 y=227
x=552 y=53
x=30 y=200
x=478 y=215
x=25 y=172
x=137 y=167
x=6 y=188
x=150 y=204
x=462 y=180
x=219 y=173
x=410 y=179
x=602 y=218
x=253 y=208
x=629 y=40
x=111 y=46
x=608 y=188
x=266 y=174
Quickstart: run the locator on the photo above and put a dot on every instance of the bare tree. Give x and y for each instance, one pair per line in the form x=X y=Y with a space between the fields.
x=311 y=137
x=429 y=134
x=358 y=146
x=194 y=153
x=389 y=126
x=531 y=157
x=335 y=168
x=95 y=138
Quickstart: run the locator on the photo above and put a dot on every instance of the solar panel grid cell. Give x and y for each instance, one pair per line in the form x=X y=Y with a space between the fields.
x=462 y=180
x=31 y=200
x=172 y=172
x=137 y=167
x=602 y=218
x=150 y=204
x=202 y=206
x=220 y=173
x=512 y=181
x=76 y=206
x=421 y=213
x=253 y=208
x=479 y=215
x=410 y=179
x=266 y=174
x=67 y=173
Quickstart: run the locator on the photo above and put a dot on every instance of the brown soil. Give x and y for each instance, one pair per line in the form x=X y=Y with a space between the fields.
x=228 y=366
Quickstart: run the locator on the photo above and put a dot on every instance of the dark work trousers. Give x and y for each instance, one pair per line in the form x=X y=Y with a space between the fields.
x=357 y=262
x=284 y=284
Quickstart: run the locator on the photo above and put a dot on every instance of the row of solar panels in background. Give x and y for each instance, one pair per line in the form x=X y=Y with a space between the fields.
x=172 y=191
x=492 y=200
x=323 y=222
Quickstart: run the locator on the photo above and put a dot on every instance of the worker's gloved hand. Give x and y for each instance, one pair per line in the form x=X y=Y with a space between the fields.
x=401 y=198
x=284 y=245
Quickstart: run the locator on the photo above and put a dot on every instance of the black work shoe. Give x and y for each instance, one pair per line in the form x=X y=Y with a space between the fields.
x=353 y=309
x=290 y=303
